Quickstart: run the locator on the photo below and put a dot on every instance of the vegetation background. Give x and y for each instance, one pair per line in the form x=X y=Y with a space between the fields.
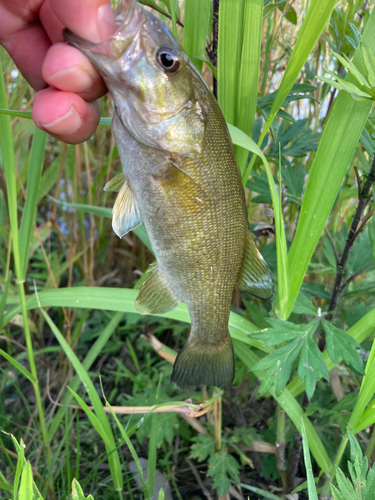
x=296 y=82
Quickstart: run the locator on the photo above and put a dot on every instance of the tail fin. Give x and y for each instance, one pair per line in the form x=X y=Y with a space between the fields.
x=200 y=363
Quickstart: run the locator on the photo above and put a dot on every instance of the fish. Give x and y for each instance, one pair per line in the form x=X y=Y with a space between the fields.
x=181 y=179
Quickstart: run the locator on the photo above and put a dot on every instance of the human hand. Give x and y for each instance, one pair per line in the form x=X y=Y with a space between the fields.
x=30 y=30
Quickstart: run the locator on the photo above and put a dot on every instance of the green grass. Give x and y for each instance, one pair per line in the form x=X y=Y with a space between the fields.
x=68 y=284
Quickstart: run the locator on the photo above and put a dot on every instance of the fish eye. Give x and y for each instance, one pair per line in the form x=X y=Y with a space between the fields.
x=168 y=59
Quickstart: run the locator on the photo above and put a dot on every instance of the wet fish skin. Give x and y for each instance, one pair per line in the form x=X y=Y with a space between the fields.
x=182 y=180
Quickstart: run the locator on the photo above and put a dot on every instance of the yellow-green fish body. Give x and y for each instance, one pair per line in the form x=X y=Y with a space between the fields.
x=182 y=180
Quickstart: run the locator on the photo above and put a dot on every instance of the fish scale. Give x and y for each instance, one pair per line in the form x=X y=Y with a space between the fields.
x=180 y=178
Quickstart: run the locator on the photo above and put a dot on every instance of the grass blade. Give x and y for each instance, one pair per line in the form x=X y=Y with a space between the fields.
x=336 y=148
x=34 y=175
x=314 y=22
x=26 y=485
x=229 y=55
x=249 y=72
x=306 y=456
x=18 y=366
x=93 y=353
x=241 y=139
x=108 y=438
x=198 y=17
x=366 y=393
x=114 y=299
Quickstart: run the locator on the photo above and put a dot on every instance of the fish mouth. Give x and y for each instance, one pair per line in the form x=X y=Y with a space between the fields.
x=77 y=41
x=129 y=18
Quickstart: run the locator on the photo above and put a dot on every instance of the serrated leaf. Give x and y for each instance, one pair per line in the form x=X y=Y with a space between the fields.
x=310 y=364
x=340 y=344
x=203 y=447
x=335 y=493
x=223 y=468
x=356 y=34
x=303 y=305
x=350 y=66
x=345 y=486
x=280 y=332
x=278 y=366
x=359 y=461
x=369 y=488
x=369 y=60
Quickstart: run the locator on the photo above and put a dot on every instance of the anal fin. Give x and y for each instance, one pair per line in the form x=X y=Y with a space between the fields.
x=126 y=215
x=255 y=276
x=156 y=295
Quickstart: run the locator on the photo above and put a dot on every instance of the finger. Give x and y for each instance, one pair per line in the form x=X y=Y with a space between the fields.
x=51 y=23
x=65 y=115
x=66 y=68
x=28 y=49
x=92 y=20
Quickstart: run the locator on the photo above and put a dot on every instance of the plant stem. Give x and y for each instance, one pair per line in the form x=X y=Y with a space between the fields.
x=353 y=233
x=338 y=287
x=280 y=448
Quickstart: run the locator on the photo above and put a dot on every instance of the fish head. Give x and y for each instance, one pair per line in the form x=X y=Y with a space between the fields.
x=154 y=85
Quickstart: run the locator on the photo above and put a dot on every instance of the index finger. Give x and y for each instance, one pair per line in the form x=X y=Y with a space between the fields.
x=92 y=20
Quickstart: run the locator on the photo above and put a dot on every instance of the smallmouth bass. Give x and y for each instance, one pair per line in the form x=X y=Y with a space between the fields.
x=180 y=177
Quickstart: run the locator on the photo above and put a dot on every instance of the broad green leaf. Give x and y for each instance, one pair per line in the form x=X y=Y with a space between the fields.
x=223 y=468
x=26 y=485
x=77 y=492
x=247 y=92
x=369 y=60
x=337 y=145
x=231 y=26
x=198 y=17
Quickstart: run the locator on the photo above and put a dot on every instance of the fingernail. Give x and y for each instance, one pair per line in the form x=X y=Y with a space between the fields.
x=66 y=124
x=105 y=22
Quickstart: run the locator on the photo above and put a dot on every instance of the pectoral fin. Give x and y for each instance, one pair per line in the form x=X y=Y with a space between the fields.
x=126 y=215
x=156 y=296
x=182 y=188
x=255 y=276
x=115 y=183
